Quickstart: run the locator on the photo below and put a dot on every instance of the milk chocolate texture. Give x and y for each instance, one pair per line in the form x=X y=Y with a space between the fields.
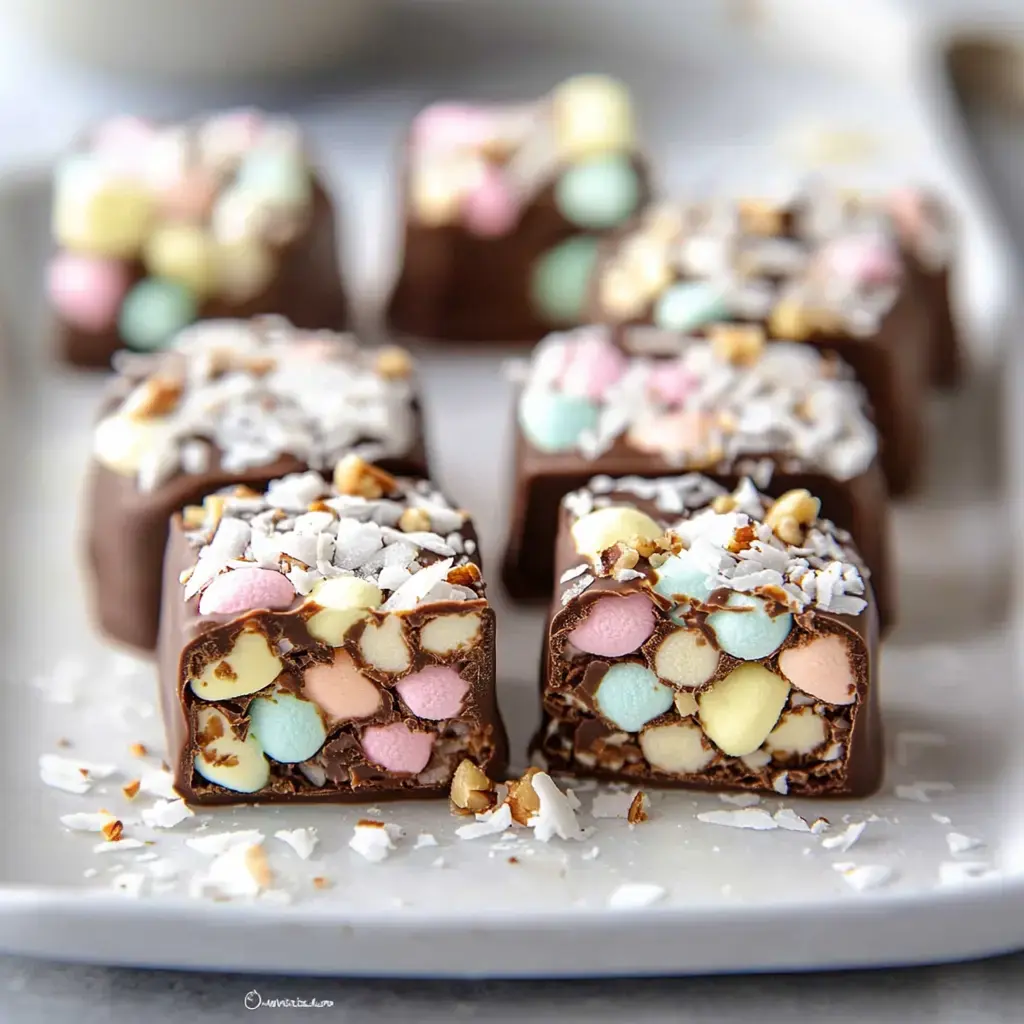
x=158 y=226
x=701 y=637
x=230 y=402
x=326 y=643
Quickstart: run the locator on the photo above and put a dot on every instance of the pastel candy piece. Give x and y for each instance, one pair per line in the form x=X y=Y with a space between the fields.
x=592 y=364
x=279 y=176
x=396 y=748
x=242 y=590
x=687 y=305
x=86 y=291
x=434 y=692
x=822 y=669
x=599 y=193
x=224 y=759
x=599 y=530
x=436 y=193
x=679 y=748
x=593 y=114
x=749 y=635
x=243 y=269
x=552 y=421
x=341 y=689
x=671 y=383
x=800 y=731
x=94 y=214
x=226 y=136
x=154 y=311
x=383 y=646
x=124 y=143
x=287 y=728
x=448 y=633
x=685 y=658
x=681 y=433
x=490 y=208
x=864 y=259
x=679 y=579
x=614 y=625
x=739 y=711
x=343 y=600
x=453 y=126
x=629 y=696
x=122 y=443
x=248 y=667
x=238 y=215
x=182 y=253
x=191 y=197
x=559 y=279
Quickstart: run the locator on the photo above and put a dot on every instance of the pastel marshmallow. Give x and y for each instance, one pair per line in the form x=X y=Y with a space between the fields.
x=671 y=383
x=96 y=215
x=749 y=633
x=490 y=208
x=343 y=601
x=224 y=759
x=686 y=658
x=681 y=580
x=247 y=667
x=191 y=197
x=288 y=728
x=864 y=259
x=341 y=690
x=397 y=748
x=592 y=364
x=604 y=528
x=553 y=421
x=447 y=633
x=677 y=749
x=383 y=645
x=434 y=692
x=184 y=253
x=800 y=731
x=242 y=590
x=739 y=711
x=87 y=291
x=598 y=193
x=680 y=433
x=614 y=625
x=243 y=269
x=593 y=115
x=452 y=126
x=822 y=669
x=629 y=696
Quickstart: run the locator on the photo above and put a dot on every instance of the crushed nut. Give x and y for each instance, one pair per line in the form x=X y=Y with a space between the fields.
x=394 y=363
x=643 y=547
x=260 y=365
x=522 y=797
x=112 y=830
x=193 y=516
x=131 y=789
x=138 y=750
x=355 y=476
x=319 y=506
x=658 y=559
x=64 y=742
x=790 y=319
x=723 y=504
x=637 y=809
x=790 y=515
x=257 y=866
x=319 y=882
x=414 y=520
x=472 y=792
x=742 y=538
x=739 y=344
x=464 y=575
x=626 y=560
x=214 y=504
x=156 y=397
x=759 y=217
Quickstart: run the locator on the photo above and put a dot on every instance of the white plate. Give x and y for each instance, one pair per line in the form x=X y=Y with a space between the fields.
x=733 y=900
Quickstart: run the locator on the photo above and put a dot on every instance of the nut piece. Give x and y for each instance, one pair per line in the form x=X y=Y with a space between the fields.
x=723 y=504
x=248 y=666
x=597 y=531
x=627 y=560
x=448 y=633
x=522 y=798
x=759 y=217
x=383 y=646
x=131 y=789
x=394 y=363
x=356 y=476
x=193 y=517
x=739 y=344
x=637 y=809
x=414 y=520
x=155 y=397
x=472 y=791
x=791 y=513
x=112 y=830
x=790 y=319
x=464 y=575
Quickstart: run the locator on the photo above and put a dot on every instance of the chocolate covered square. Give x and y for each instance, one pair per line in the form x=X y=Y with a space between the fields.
x=708 y=638
x=232 y=401
x=502 y=208
x=326 y=642
x=158 y=226
x=814 y=268
x=645 y=402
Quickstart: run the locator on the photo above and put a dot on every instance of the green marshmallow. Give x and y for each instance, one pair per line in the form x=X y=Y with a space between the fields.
x=560 y=277
x=279 y=177
x=553 y=421
x=598 y=193
x=154 y=311
x=687 y=305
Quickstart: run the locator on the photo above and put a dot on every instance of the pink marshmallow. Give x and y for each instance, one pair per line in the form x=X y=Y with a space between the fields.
x=864 y=259
x=671 y=383
x=678 y=433
x=615 y=626
x=490 y=208
x=242 y=590
x=592 y=365
x=124 y=143
x=822 y=669
x=434 y=692
x=453 y=126
x=86 y=291
x=396 y=748
x=190 y=197
x=340 y=689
